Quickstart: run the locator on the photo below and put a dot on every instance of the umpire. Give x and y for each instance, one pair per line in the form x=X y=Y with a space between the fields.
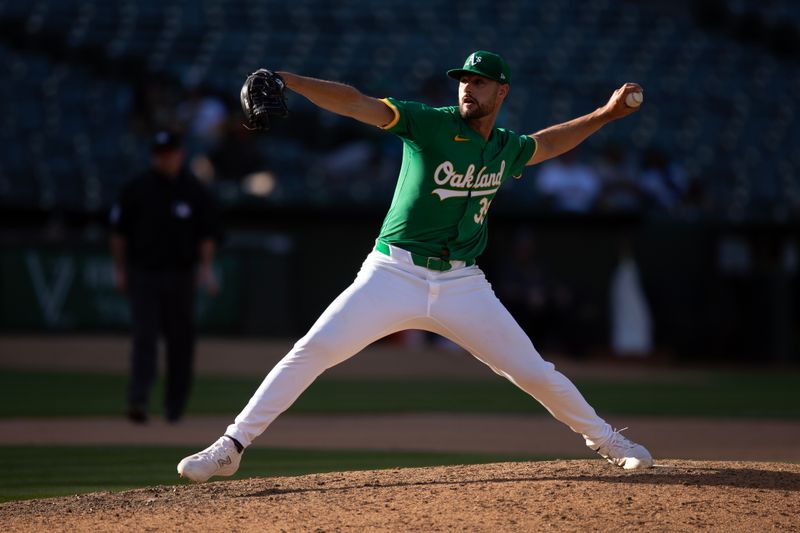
x=164 y=237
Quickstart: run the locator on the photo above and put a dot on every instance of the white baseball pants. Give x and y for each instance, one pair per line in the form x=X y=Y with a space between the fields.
x=391 y=294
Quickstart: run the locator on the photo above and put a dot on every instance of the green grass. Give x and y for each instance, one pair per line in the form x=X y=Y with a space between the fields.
x=727 y=394
x=40 y=472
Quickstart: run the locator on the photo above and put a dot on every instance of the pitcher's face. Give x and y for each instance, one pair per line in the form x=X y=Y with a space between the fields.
x=478 y=96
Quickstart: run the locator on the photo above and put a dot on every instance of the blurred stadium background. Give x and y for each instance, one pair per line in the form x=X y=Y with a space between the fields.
x=672 y=235
x=701 y=189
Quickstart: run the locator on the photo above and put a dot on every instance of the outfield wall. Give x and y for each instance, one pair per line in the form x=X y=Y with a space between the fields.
x=710 y=291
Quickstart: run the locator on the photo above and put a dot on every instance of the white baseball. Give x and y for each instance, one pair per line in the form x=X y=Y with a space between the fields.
x=634 y=99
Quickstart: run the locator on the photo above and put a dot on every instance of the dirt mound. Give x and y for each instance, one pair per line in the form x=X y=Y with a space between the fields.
x=558 y=495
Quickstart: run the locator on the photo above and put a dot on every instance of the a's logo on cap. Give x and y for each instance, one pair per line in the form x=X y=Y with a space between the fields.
x=502 y=76
x=474 y=60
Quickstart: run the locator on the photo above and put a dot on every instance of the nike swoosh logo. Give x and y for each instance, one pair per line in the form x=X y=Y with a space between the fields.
x=459 y=138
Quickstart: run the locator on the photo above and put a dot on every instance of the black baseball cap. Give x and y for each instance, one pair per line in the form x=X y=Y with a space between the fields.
x=165 y=140
x=486 y=64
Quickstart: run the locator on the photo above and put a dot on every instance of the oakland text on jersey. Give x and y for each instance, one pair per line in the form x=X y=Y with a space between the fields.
x=446 y=174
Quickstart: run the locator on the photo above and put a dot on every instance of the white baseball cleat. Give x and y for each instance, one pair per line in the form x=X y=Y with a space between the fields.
x=621 y=451
x=220 y=459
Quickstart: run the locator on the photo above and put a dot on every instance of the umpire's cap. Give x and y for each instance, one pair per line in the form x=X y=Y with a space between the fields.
x=487 y=64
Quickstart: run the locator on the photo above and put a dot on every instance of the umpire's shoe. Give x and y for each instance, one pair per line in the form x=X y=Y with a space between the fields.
x=620 y=451
x=220 y=459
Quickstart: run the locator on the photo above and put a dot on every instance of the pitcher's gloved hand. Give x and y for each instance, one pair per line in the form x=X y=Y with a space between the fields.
x=262 y=96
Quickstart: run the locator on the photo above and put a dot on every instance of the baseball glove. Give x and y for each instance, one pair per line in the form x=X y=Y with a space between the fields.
x=261 y=97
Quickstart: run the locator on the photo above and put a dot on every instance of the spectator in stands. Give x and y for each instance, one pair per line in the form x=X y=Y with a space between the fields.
x=154 y=101
x=567 y=184
x=203 y=117
x=542 y=304
x=696 y=203
x=620 y=191
x=524 y=286
x=665 y=183
x=163 y=226
x=237 y=154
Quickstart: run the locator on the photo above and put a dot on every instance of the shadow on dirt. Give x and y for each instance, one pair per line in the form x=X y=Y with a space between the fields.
x=744 y=478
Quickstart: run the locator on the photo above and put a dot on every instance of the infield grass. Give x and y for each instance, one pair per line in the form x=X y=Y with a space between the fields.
x=722 y=394
x=40 y=472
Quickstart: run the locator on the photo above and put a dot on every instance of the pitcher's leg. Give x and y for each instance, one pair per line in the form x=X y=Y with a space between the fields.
x=474 y=318
x=378 y=303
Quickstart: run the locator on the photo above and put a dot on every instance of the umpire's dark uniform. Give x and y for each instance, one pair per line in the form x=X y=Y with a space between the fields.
x=164 y=221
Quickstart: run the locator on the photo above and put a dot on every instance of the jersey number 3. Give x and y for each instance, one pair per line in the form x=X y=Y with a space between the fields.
x=481 y=216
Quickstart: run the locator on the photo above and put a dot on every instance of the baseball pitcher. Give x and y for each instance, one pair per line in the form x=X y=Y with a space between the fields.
x=422 y=272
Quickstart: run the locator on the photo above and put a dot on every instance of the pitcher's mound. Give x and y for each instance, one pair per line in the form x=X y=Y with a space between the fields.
x=558 y=495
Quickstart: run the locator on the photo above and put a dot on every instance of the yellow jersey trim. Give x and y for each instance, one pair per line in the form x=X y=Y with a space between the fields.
x=396 y=118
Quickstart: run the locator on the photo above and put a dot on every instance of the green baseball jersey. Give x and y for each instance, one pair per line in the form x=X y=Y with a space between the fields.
x=448 y=179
